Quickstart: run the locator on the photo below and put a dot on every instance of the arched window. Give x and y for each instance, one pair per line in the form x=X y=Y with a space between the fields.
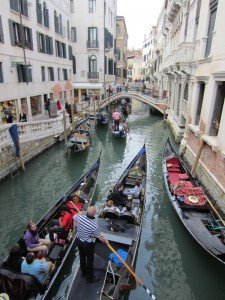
x=93 y=63
x=186 y=92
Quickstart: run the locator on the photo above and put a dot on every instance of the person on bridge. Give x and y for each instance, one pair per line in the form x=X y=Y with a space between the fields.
x=116 y=117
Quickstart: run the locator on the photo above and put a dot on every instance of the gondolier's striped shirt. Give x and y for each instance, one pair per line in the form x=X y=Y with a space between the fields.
x=87 y=229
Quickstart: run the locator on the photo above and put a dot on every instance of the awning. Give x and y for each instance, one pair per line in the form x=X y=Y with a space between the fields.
x=87 y=85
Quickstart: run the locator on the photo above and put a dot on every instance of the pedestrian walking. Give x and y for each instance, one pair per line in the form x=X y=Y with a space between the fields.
x=87 y=231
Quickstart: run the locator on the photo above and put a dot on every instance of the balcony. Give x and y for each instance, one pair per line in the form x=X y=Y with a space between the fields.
x=92 y=44
x=93 y=75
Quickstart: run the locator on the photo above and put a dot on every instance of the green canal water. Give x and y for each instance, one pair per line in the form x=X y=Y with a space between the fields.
x=169 y=261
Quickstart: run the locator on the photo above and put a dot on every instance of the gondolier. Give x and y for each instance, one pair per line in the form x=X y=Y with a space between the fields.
x=87 y=231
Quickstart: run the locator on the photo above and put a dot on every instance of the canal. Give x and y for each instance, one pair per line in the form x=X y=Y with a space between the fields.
x=169 y=261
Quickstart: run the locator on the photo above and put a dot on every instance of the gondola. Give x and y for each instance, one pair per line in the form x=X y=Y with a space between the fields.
x=121 y=133
x=123 y=233
x=192 y=206
x=102 y=117
x=80 y=140
x=23 y=286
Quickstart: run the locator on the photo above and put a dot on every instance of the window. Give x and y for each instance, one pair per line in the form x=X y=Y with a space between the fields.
x=24 y=73
x=60 y=24
x=39 y=12
x=60 y=49
x=56 y=21
x=200 y=98
x=92 y=6
x=68 y=29
x=70 y=51
x=65 y=74
x=212 y=20
x=41 y=42
x=20 y=35
x=51 y=76
x=118 y=72
x=186 y=92
x=73 y=34
x=1 y=31
x=1 y=74
x=45 y=15
x=19 y=6
x=93 y=64
x=43 y=73
x=71 y=6
x=92 y=37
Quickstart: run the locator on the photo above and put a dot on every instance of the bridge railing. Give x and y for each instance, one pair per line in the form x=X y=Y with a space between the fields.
x=33 y=130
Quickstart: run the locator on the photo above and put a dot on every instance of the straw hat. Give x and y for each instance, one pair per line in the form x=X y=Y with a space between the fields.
x=4 y=296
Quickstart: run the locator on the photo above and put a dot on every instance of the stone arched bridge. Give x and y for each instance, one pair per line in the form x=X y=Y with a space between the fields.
x=155 y=104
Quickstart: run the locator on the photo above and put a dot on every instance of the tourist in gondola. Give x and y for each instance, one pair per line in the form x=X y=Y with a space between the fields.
x=33 y=242
x=109 y=206
x=36 y=267
x=119 y=199
x=14 y=259
x=61 y=225
x=87 y=231
x=135 y=192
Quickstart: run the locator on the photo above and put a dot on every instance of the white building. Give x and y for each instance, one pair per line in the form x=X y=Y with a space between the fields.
x=190 y=51
x=54 y=49
x=35 y=55
x=93 y=38
x=148 y=54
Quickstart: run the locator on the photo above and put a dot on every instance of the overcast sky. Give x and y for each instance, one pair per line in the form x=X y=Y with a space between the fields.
x=139 y=15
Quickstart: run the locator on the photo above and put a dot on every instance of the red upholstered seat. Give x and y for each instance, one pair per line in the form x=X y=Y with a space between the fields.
x=173 y=161
x=174 y=178
x=183 y=176
x=172 y=169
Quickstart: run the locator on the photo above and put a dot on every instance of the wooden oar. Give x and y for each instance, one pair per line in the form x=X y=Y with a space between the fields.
x=132 y=272
x=210 y=203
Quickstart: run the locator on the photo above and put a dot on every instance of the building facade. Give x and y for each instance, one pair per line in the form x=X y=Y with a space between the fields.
x=134 y=64
x=148 y=55
x=121 y=49
x=93 y=40
x=57 y=50
x=35 y=56
x=190 y=69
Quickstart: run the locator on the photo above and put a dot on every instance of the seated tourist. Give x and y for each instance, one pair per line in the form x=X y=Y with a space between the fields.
x=14 y=259
x=75 y=204
x=135 y=192
x=61 y=225
x=33 y=242
x=111 y=207
x=181 y=183
x=119 y=199
x=36 y=267
x=128 y=209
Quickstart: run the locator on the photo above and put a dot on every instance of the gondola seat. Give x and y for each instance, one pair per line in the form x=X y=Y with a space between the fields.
x=127 y=216
x=110 y=214
x=17 y=285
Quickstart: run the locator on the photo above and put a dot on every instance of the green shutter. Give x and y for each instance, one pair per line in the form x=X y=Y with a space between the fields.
x=12 y=36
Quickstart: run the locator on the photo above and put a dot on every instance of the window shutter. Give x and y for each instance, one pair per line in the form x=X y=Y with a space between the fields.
x=21 y=35
x=39 y=13
x=24 y=8
x=30 y=37
x=19 y=72
x=1 y=31
x=70 y=52
x=51 y=45
x=1 y=74
x=74 y=65
x=14 y=5
x=12 y=36
x=38 y=41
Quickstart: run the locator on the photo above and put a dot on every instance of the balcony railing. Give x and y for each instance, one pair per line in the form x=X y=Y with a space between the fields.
x=93 y=75
x=92 y=44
